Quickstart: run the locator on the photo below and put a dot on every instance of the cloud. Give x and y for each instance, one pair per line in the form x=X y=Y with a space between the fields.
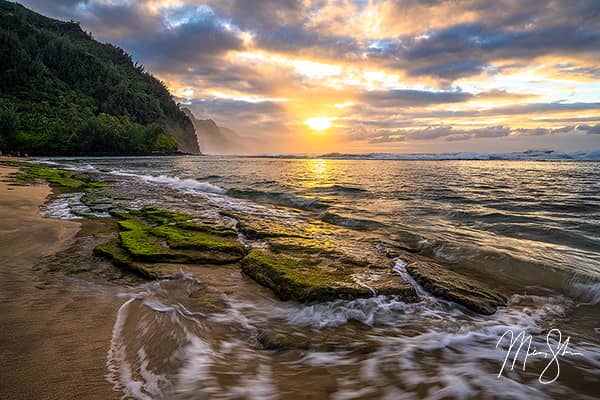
x=450 y=133
x=403 y=97
x=191 y=46
x=592 y=129
x=387 y=72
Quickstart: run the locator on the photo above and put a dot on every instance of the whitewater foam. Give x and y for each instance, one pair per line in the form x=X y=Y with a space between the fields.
x=174 y=182
x=60 y=208
x=525 y=155
x=69 y=206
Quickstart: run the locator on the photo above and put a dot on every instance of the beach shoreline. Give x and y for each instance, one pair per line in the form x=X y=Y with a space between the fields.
x=53 y=334
x=136 y=285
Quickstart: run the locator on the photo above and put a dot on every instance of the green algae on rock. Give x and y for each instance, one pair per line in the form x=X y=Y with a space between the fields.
x=151 y=239
x=180 y=238
x=308 y=279
x=158 y=216
x=299 y=244
x=121 y=258
x=68 y=180
x=206 y=228
x=135 y=238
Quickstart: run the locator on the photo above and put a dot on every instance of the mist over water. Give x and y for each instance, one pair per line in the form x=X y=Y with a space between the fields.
x=529 y=228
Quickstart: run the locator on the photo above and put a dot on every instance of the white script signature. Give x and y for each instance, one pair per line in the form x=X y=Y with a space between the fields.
x=560 y=349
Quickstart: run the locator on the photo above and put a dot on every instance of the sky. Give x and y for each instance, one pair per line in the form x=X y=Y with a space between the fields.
x=359 y=76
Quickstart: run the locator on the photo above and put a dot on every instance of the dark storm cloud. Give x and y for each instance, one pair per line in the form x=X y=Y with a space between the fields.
x=238 y=113
x=107 y=21
x=450 y=133
x=298 y=39
x=593 y=129
x=400 y=97
x=469 y=49
x=518 y=109
x=191 y=45
x=58 y=9
x=503 y=30
x=262 y=15
x=189 y=36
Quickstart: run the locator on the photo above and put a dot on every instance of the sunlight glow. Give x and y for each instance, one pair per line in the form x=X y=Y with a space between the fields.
x=318 y=123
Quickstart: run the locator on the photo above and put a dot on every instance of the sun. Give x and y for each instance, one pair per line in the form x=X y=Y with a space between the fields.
x=318 y=123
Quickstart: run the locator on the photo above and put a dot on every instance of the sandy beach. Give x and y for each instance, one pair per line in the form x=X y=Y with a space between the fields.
x=53 y=334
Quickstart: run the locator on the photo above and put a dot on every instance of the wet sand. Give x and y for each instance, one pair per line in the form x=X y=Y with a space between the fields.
x=54 y=333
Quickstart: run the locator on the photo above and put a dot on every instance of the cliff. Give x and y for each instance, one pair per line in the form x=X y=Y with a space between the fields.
x=217 y=139
x=64 y=93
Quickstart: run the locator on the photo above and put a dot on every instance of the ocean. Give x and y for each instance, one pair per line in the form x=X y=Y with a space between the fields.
x=527 y=225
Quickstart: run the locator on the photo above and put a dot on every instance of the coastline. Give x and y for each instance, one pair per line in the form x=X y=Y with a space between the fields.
x=152 y=285
x=53 y=334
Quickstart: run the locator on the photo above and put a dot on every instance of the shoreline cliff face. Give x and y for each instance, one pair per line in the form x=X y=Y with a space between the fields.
x=216 y=139
x=64 y=93
x=186 y=137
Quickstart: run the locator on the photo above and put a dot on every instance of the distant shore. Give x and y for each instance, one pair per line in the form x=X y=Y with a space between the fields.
x=157 y=154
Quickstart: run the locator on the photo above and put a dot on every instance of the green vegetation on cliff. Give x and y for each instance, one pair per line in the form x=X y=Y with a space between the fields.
x=62 y=92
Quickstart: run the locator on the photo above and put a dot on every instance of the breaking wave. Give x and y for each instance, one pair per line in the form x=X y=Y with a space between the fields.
x=176 y=182
x=525 y=155
x=280 y=199
x=348 y=222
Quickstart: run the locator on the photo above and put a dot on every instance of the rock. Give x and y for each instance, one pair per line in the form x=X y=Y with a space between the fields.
x=113 y=251
x=299 y=244
x=308 y=279
x=442 y=282
x=178 y=238
x=121 y=258
x=64 y=179
x=259 y=228
x=150 y=239
x=278 y=341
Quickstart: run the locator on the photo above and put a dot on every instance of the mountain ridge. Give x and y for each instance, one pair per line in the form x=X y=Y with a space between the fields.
x=214 y=138
x=64 y=93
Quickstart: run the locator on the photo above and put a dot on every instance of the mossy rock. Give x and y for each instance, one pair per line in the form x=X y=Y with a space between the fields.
x=183 y=221
x=160 y=217
x=316 y=279
x=303 y=245
x=206 y=228
x=140 y=244
x=178 y=238
x=168 y=243
x=68 y=180
x=442 y=282
x=113 y=251
x=261 y=228
x=121 y=258
x=98 y=200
